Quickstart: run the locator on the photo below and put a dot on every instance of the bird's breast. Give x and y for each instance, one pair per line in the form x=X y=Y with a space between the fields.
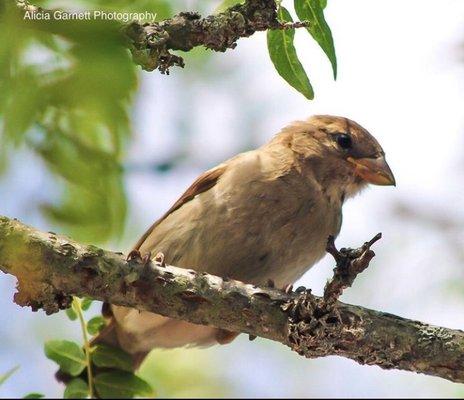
x=275 y=231
x=250 y=227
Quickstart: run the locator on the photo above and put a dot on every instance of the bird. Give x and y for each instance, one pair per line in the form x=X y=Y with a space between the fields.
x=261 y=216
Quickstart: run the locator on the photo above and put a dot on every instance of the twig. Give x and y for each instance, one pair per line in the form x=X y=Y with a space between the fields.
x=349 y=263
x=77 y=306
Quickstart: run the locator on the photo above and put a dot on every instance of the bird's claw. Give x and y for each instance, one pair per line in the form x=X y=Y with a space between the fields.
x=146 y=258
x=159 y=260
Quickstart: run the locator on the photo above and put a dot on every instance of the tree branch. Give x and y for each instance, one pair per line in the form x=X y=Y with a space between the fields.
x=151 y=43
x=51 y=268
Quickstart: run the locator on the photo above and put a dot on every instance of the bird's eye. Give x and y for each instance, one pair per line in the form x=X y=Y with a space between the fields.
x=344 y=141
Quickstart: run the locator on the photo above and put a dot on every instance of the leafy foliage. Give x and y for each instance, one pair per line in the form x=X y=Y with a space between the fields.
x=68 y=355
x=86 y=303
x=60 y=99
x=282 y=50
x=284 y=57
x=34 y=395
x=95 y=325
x=312 y=11
x=71 y=314
x=76 y=389
x=111 y=357
x=120 y=385
x=101 y=369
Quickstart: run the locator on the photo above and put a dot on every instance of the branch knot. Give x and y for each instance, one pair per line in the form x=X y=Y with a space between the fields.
x=349 y=263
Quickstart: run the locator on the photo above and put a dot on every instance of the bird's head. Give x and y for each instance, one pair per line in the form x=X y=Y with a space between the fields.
x=343 y=153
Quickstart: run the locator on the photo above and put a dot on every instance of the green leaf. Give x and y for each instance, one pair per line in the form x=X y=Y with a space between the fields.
x=71 y=314
x=68 y=355
x=95 y=325
x=34 y=395
x=112 y=357
x=284 y=57
x=312 y=11
x=76 y=389
x=120 y=384
x=23 y=105
x=323 y=3
x=7 y=374
x=72 y=106
x=86 y=303
x=93 y=206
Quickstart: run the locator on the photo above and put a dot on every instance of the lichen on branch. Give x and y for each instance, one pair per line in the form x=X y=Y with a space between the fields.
x=151 y=42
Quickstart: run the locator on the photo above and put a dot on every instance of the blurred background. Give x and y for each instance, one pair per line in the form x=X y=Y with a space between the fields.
x=401 y=75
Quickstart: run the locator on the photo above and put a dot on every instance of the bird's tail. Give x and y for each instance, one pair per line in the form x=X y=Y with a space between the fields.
x=137 y=332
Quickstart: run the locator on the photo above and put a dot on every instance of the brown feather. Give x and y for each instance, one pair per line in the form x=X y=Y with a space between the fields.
x=203 y=183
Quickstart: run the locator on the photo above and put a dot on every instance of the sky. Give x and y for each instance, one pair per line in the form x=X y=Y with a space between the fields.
x=401 y=75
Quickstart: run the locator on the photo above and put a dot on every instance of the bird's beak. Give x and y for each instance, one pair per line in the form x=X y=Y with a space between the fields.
x=373 y=170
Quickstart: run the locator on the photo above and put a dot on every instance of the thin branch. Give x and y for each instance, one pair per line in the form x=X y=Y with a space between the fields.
x=349 y=263
x=77 y=305
x=51 y=268
x=151 y=43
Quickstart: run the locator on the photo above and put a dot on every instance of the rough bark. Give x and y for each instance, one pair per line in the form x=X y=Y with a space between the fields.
x=151 y=43
x=51 y=268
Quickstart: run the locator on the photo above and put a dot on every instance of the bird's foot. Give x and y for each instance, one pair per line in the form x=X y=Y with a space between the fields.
x=159 y=260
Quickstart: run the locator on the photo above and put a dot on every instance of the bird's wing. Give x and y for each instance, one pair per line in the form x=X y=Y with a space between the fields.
x=203 y=183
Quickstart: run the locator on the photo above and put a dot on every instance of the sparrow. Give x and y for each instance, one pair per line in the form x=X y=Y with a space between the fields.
x=263 y=215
